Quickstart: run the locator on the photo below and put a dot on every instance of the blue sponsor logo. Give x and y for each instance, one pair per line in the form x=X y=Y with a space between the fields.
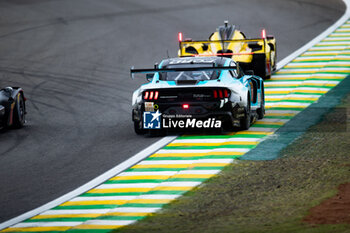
x=151 y=120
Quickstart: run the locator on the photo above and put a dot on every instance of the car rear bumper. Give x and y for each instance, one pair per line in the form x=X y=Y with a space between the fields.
x=220 y=110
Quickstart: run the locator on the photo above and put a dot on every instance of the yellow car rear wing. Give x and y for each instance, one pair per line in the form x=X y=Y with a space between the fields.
x=225 y=48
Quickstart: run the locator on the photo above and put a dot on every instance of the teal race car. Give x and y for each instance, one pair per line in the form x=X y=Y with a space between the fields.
x=197 y=92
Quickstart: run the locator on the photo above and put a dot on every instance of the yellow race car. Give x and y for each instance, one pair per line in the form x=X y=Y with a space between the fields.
x=257 y=55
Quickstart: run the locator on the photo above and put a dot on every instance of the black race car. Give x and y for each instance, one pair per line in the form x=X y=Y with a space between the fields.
x=12 y=107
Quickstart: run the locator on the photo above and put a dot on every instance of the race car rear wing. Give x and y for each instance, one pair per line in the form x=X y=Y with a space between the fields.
x=184 y=69
x=205 y=47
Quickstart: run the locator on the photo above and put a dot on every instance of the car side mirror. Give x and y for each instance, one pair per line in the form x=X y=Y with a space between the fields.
x=249 y=72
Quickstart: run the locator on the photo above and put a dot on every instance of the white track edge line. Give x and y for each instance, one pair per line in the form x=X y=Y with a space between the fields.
x=158 y=144
x=317 y=39
x=93 y=183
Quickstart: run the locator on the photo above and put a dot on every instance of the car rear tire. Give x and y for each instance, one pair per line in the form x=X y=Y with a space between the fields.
x=19 y=112
x=138 y=128
x=261 y=111
x=246 y=121
x=259 y=66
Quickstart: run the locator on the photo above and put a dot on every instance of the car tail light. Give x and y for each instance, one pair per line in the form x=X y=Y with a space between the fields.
x=180 y=36
x=185 y=106
x=226 y=93
x=220 y=93
x=215 y=94
x=263 y=33
x=151 y=95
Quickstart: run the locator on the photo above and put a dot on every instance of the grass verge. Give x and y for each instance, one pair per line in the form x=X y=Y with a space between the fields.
x=267 y=196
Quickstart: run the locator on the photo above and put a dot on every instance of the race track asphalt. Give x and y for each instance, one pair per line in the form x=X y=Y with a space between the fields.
x=72 y=58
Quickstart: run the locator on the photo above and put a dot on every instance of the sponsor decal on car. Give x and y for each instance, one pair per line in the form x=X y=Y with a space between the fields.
x=149 y=106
